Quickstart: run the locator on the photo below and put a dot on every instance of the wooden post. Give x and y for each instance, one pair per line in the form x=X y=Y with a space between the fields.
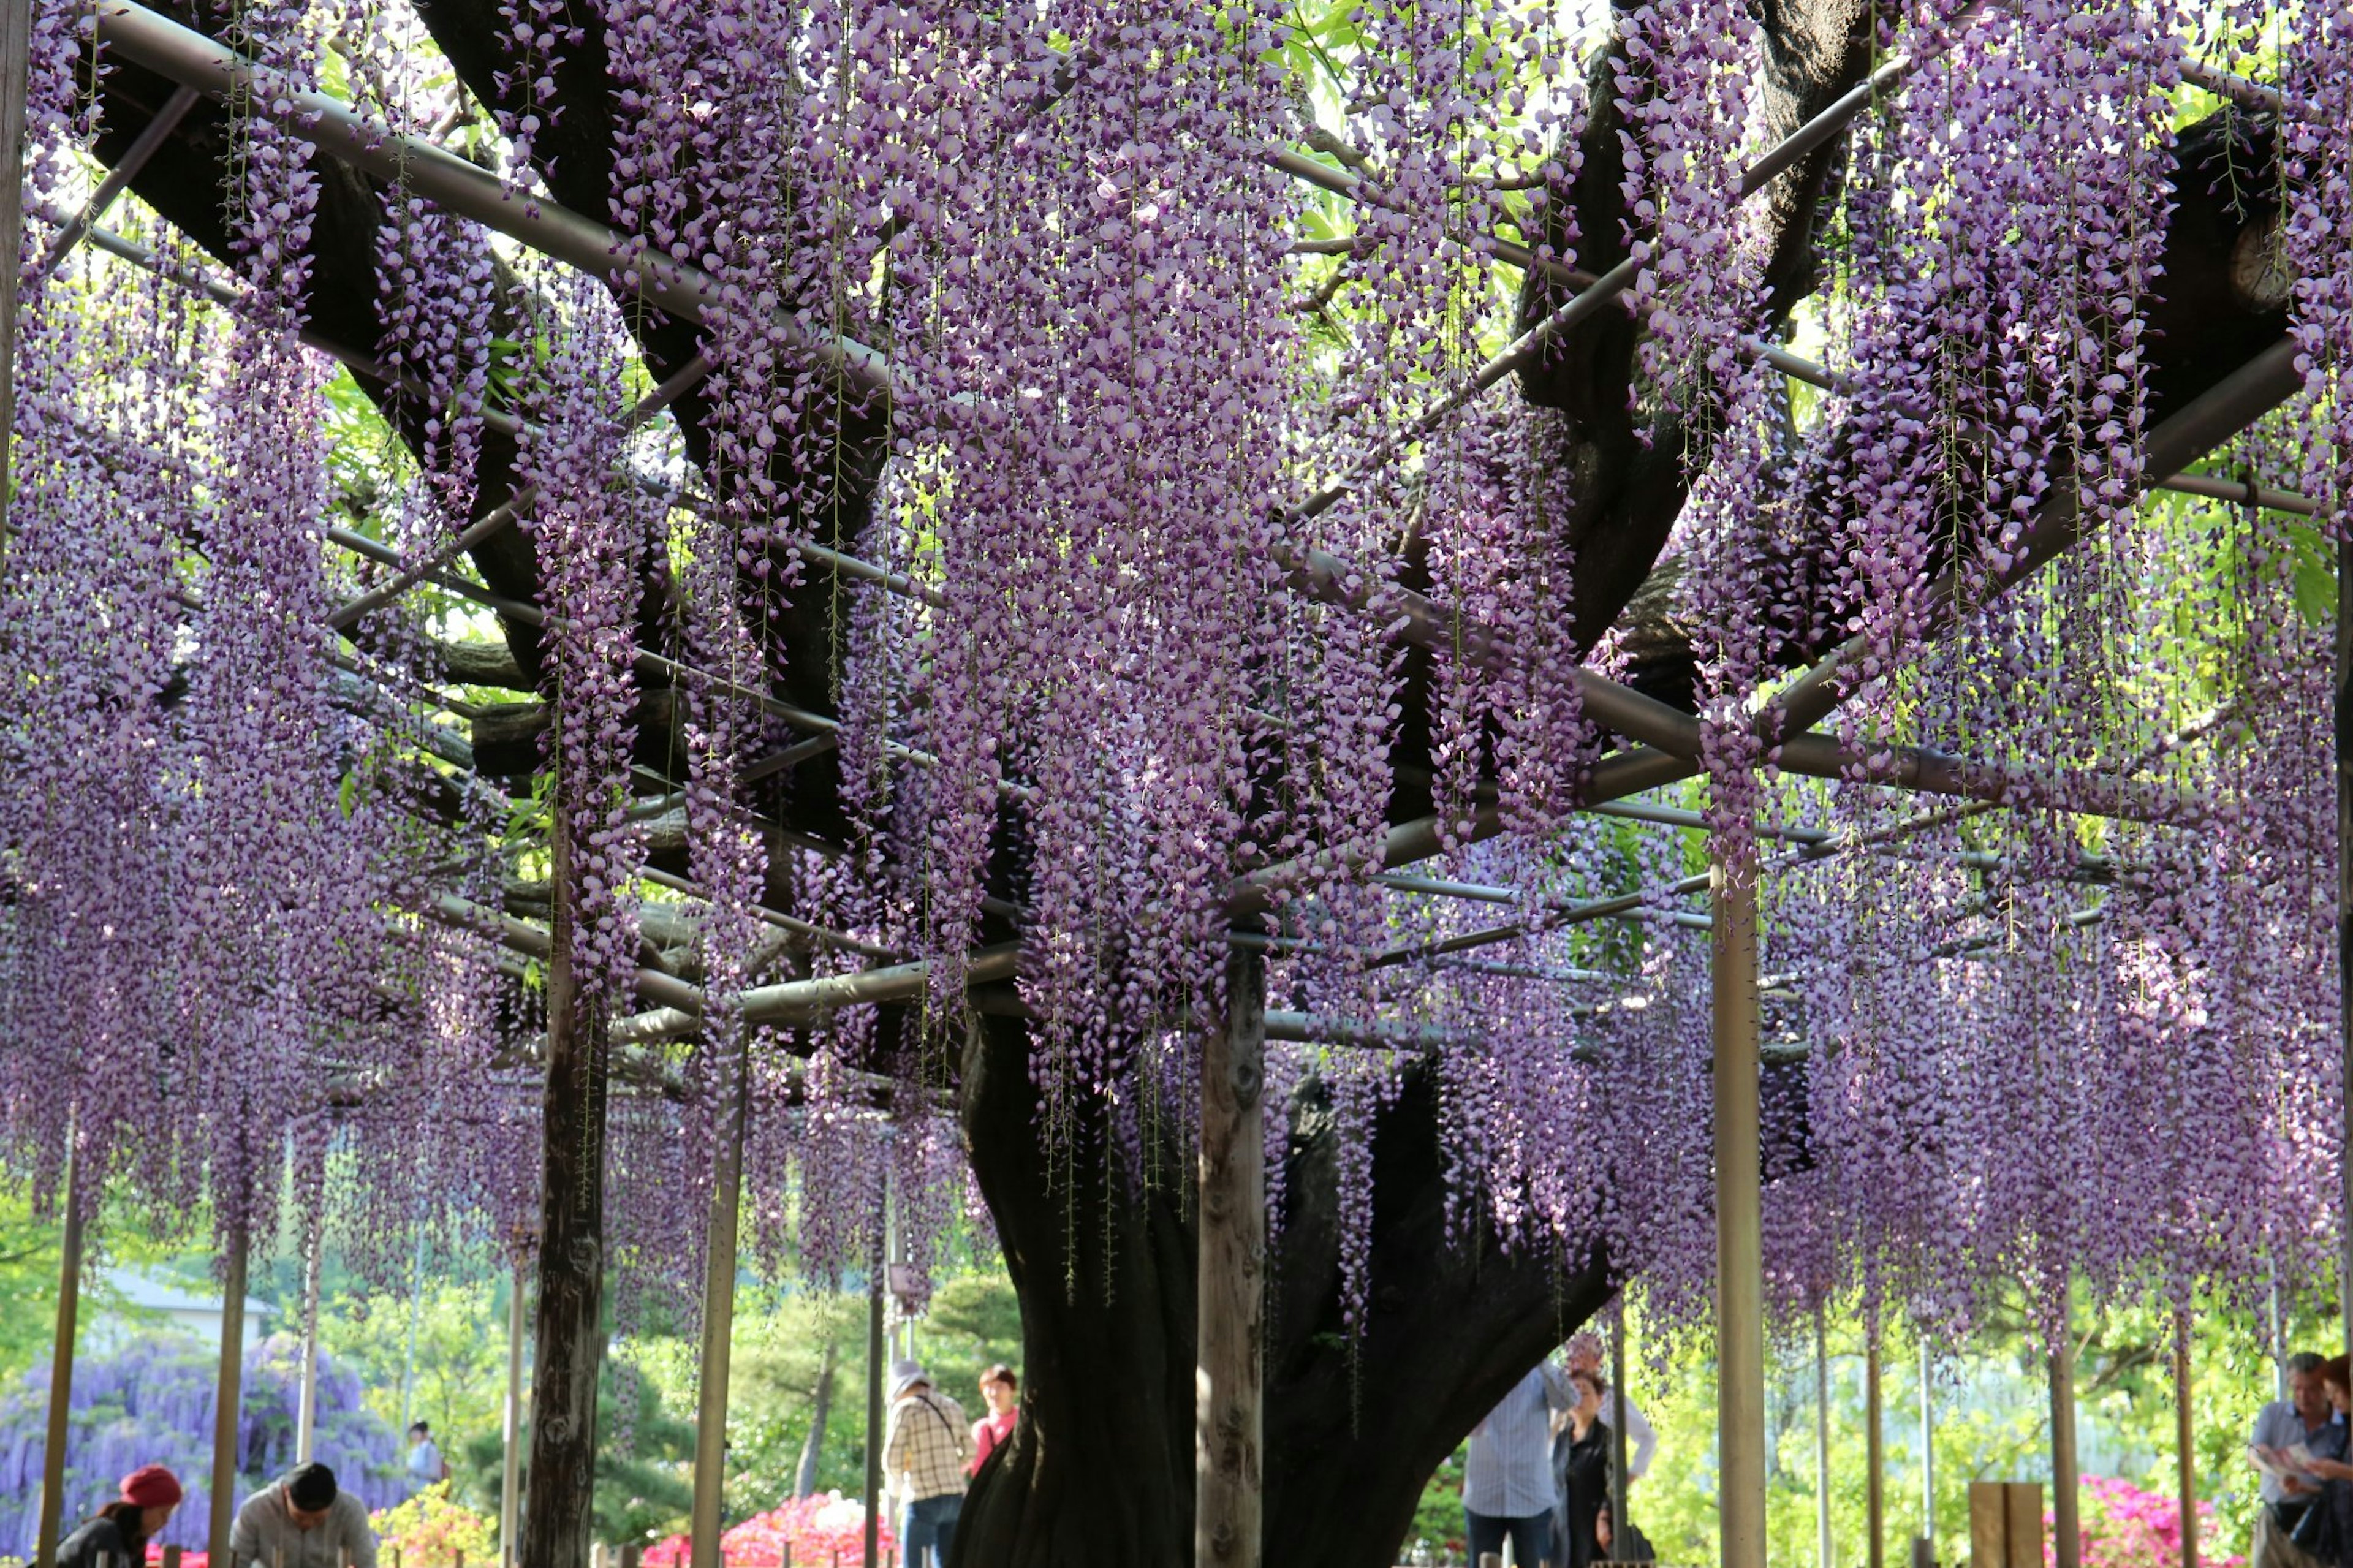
x=61 y=1357
x=172 y=1555
x=229 y=1393
x=1618 y=1479
x=1740 y=1254
x=569 y=1330
x=1229 y=1417
x=1875 y=1488
x=510 y=1422
x=2184 y=1440
x=874 y=1288
x=306 y=1395
x=2067 y=1533
x=718 y=1311
x=1823 y=1552
x=2344 y=926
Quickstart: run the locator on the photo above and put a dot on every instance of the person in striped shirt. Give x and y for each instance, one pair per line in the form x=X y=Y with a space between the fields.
x=1507 y=1480
x=924 y=1455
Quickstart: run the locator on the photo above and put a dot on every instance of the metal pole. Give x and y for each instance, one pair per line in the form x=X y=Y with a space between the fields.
x=1228 y=1413
x=229 y=1393
x=874 y=1382
x=2184 y=1440
x=61 y=1361
x=510 y=1459
x=2067 y=1533
x=1874 y=1490
x=306 y=1398
x=1739 y=1257
x=1618 y=1479
x=15 y=85
x=719 y=1315
x=1927 y=1447
x=1823 y=1547
x=2279 y=1341
x=416 y=1310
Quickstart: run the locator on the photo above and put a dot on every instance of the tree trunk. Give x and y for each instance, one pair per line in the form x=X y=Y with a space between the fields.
x=821 y=1412
x=1100 y=1469
x=570 y=1327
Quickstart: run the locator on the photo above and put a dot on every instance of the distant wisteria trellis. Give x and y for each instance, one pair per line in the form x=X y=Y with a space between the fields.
x=2012 y=1041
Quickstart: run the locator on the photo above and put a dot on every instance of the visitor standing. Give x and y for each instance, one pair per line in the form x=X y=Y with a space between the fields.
x=1641 y=1442
x=2284 y=1424
x=424 y=1465
x=303 y=1520
x=923 y=1455
x=1580 y=1472
x=120 y=1531
x=1000 y=1390
x=1507 y=1480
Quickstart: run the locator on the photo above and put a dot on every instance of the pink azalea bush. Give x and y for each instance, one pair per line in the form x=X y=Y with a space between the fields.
x=2124 y=1527
x=820 y=1529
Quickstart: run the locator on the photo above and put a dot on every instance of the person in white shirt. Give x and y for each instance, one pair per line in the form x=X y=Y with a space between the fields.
x=1641 y=1442
x=1507 y=1482
x=425 y=1464
x=302 y=1521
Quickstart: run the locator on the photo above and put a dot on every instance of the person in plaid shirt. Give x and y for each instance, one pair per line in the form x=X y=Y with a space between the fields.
x=924 y=1455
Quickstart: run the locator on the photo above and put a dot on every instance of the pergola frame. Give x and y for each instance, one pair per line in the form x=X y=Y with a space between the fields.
x=1667 y=746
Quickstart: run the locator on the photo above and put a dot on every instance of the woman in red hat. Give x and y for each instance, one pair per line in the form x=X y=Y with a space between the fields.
x=120 y=1531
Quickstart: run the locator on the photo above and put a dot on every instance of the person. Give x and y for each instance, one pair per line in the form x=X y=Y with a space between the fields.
x=424 y=1465
x=2323 y=1538
x=1000 y=1389
x=1641 y=1440
x=1507 y=1482
x=924 y=1454
x=303 y=1520
x=2284 y=1424
x=120 y=1531
x=1580 y=1471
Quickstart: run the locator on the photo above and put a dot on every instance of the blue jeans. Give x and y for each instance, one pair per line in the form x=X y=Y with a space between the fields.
x=1531 y=1537
x=925 y=1526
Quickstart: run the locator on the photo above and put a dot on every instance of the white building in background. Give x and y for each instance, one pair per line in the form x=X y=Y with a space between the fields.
x=132 y=1301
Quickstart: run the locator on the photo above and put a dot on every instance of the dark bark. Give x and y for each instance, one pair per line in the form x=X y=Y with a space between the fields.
x=1099 y=1466
x=568 y=1334
x=820 y=1411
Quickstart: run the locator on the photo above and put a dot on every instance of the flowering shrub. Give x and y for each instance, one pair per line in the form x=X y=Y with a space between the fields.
x=826 y=1528
x=434 y=1533
x=2124 y=1527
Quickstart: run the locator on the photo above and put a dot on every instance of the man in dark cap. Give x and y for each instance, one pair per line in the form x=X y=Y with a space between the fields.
x=301 y=1520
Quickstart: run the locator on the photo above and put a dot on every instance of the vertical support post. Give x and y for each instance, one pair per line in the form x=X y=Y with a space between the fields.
x=2185 y=1439
x=1739 y=1255
x=61 y=1358
x=1823 y=1552
x=228 y=1396
x=874 y=1292
x=511 y=1450
x=1875 y=1488
x=416 y=1310
x=568 y=1330
x=306 y=1390
x=2279 y=1341
x=1927 y=1447
x=2067 y=1532
x=1228 y=1415
x=1618 y=1479
x=2344 y=925
x=16 y=86
x=719 y=1312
